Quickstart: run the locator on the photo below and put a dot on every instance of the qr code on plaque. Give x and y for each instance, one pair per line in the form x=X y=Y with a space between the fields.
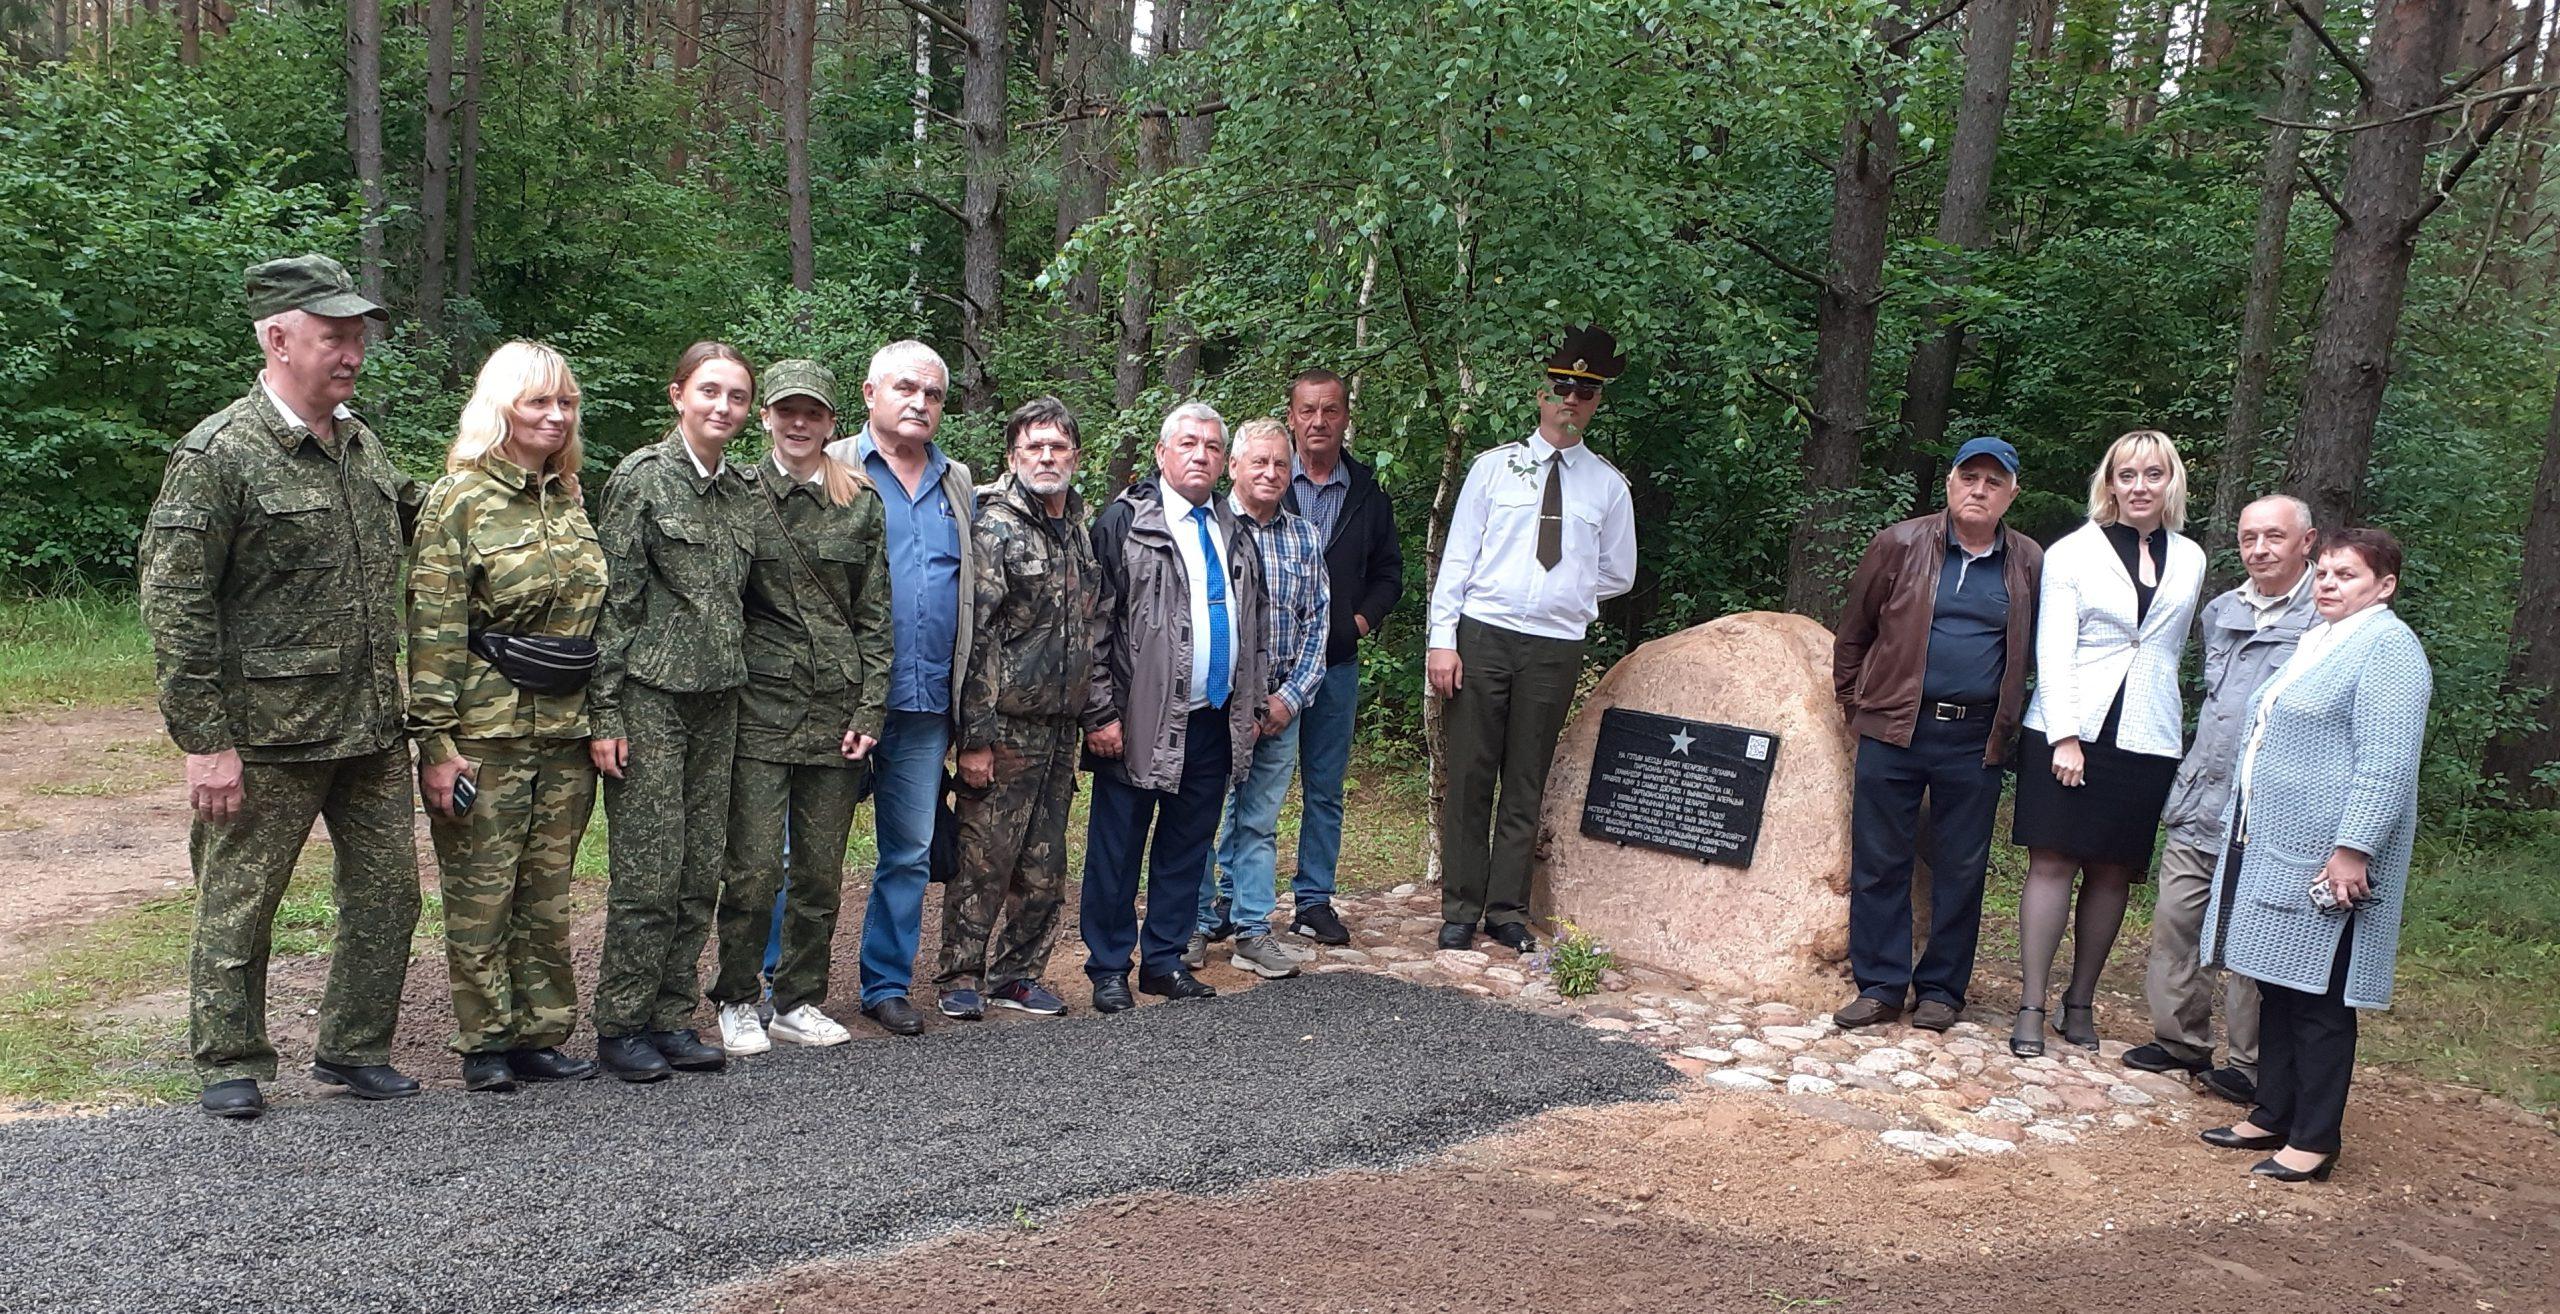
x=1758 y=749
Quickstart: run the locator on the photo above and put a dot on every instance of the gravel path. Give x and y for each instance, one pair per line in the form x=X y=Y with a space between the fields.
x=608 y=1197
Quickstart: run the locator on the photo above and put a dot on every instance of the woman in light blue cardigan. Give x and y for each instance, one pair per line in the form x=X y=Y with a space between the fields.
x=2309 y=894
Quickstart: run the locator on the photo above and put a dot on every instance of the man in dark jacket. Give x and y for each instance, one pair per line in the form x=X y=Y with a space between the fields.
x=1168 y=733
x=1364 y=565
x=1931 y=668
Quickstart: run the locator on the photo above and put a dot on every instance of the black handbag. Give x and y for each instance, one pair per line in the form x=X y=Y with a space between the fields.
x=537 y=663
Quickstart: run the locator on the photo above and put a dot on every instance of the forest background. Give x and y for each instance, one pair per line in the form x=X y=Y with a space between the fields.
x=2314 y=241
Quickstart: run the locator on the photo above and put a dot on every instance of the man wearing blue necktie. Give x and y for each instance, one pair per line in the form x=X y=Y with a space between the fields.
x=1166 y=735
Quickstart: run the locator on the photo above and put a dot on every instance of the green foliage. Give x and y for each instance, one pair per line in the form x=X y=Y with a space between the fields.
x=71 y=646
x=1575 y=961
x=1422 y=192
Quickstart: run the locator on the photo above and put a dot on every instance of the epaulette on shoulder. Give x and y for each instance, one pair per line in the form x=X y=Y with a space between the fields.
x=200 y=438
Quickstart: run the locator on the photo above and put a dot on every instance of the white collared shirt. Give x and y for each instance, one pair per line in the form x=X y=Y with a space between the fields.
x=816 y=476
x=1489 y=569
x=1195 y=568
x=338 y=412
x=706 y=471
x=2317 y=642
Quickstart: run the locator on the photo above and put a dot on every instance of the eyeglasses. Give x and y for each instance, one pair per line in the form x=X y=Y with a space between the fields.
x=1573 y=389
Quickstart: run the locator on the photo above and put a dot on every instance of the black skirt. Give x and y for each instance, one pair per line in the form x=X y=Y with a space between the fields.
x=2114 y=814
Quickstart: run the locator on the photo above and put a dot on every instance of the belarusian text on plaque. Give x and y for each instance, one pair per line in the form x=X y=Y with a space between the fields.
x=1688 y=787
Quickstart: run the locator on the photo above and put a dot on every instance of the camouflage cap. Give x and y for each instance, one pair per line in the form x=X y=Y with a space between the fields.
x=314 y=283
x=800 y=378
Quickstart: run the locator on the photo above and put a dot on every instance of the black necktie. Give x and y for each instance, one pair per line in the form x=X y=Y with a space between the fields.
x=1551 y=515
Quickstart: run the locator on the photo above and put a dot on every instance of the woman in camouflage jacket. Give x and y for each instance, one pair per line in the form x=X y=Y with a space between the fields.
x=678 y=535
x=817 y=676
x=504 y=545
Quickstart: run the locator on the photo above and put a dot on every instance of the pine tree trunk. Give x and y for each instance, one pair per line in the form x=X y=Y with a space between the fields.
x=1845 y=340
x=2530 y=145
x=2258 y=307
x=1085 y=168
x=435 y=178
x=466 y=209
x=2359 y=316
x=688 y=52
x=799 y=56
x=190 y=32
x=364 y=133
x=2150 y=62
x=1990 y=54
x=982 y=106
x=2533 y=652
x=1138 y=291
x=2043 y=16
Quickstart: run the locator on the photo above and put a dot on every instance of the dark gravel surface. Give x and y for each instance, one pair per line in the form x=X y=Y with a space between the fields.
x=609 y=1197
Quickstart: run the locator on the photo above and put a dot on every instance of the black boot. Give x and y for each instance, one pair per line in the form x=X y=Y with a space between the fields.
x=685 y=1052
x=367 y=1081
x=632 y=1058
x=487 y=1072
x=237 y=1099
x=548 y=1064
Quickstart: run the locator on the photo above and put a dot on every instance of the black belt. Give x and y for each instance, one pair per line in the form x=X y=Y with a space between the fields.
x=1957 y=711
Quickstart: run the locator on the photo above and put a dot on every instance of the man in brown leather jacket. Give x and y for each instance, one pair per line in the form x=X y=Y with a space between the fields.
x=1931 y=669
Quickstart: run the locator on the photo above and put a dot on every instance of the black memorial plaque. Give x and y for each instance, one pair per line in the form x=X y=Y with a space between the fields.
x=1689 y=787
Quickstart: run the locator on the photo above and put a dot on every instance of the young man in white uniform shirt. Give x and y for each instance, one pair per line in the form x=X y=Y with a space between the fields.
x=1543 y=531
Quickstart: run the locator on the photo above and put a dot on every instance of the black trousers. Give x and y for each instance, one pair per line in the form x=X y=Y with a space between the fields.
x=2306 y=1057
x=1944 y=762
x=1185 y=826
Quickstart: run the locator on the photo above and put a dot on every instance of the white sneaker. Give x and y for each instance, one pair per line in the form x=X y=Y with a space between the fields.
x=740 y=1033
x=805 y=1025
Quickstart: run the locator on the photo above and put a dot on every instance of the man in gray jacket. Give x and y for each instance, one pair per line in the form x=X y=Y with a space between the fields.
x=1180 y=662
x=2248 y=633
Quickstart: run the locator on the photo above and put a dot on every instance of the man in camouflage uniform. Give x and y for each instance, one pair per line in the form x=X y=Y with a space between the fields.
x=1021 y=704
x=271 y=585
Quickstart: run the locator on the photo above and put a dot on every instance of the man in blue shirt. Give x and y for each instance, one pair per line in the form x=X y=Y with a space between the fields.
x=1930 y=666
x=925 y=498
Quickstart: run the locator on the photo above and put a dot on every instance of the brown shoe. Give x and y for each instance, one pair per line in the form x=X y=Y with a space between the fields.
x=1933 y=1015
x=1865 y=1012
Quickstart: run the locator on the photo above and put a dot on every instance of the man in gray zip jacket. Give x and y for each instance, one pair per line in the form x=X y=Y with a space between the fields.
x=1180 y=664
x=2248 y=634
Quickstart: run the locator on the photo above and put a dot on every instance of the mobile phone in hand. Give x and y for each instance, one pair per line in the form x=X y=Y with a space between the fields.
x=464 y=793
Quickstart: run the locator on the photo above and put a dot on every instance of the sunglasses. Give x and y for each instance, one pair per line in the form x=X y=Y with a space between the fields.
x=1574 y=389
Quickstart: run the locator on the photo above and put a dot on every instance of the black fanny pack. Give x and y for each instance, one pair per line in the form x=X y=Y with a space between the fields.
x=537 y=663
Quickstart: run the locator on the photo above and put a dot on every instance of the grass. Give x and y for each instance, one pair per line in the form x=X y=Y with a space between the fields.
x=72 y=647
x=2478 y=1004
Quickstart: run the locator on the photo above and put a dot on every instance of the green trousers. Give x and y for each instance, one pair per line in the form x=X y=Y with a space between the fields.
x=1501 y=730
x=816 y=805
x=504 y=869
x=1013 y=859
x=666 y=841
x=241 y=871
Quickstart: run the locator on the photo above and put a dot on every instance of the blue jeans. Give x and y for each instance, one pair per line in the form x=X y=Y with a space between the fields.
x=1323 y=729
x=907 y=773
x=1246 y=866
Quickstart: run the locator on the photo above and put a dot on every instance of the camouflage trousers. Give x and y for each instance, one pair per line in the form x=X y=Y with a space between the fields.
x=1013 y=859
x=816 y=802
x=665 y=838
x=241 y=872
x=504 y=869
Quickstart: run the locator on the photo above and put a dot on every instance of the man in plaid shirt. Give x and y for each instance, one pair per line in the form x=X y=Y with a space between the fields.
x=1242 y=880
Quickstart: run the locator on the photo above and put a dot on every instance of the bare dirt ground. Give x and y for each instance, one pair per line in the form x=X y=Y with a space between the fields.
x=1729 y=1203
x=1716 y=1200
x=91 y=820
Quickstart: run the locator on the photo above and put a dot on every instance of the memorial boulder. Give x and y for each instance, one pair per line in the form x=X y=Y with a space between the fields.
x=1697 y=814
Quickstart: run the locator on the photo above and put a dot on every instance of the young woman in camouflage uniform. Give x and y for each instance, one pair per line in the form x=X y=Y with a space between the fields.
x=678 y=532
x=817 y=675
x=504 y=545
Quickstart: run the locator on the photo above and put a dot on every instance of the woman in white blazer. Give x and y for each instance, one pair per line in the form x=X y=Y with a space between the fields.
x=2103 y=731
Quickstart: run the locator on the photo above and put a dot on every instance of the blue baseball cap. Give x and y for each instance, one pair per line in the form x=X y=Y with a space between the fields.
x=1995 y=448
